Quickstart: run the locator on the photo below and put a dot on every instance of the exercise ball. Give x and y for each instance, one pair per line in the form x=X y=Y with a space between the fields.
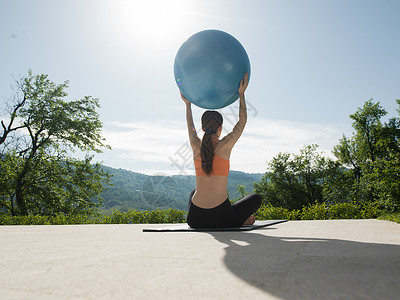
x=208 y=68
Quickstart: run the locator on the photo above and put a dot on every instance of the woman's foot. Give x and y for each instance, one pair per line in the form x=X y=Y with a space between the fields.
x=250 y=220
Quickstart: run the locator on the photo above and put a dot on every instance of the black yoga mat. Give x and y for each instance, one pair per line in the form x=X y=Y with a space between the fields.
x=185 y=227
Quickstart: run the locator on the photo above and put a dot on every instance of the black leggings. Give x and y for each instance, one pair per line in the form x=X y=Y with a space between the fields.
x=223 y=215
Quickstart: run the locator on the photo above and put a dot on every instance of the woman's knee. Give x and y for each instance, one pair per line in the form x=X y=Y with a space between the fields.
x=256 y=199
x=252 y=202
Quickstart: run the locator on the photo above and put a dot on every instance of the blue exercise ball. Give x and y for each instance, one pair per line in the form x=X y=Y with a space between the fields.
x=208 y=68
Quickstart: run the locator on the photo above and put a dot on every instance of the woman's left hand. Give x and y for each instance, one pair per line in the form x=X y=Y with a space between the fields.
x=184 y=99
x=243 y=84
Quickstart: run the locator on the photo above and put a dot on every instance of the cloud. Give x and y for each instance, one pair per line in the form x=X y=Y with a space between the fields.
x=263 y=139
x=162 y=145
x=148 y=141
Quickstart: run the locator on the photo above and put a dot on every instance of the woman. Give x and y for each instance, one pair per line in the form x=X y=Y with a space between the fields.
x=208 y=203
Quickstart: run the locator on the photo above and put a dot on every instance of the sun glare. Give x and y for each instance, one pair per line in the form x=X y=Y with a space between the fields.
x=152 y=23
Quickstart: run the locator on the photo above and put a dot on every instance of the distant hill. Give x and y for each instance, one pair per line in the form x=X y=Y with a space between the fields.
x=133 y=190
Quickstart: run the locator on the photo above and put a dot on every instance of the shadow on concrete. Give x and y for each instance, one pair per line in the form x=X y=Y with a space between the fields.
x=309 y=268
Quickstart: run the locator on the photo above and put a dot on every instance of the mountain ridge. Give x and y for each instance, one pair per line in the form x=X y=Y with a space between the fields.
x=134 y=190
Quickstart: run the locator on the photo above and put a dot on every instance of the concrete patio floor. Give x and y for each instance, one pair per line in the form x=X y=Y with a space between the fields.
x=336 y=259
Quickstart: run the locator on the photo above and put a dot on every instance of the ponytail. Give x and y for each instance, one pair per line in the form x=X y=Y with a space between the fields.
x=211 y=121
x=207 y=153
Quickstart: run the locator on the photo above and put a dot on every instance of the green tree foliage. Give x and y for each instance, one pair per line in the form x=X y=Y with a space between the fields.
x=367 y=169
x=368 y=126
x=385 y=180
x=385 y=172
x=371 y=158
x=39 y=135
x=295 y=181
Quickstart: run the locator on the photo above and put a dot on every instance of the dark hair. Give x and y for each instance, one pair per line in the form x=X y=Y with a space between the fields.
x=210 y=122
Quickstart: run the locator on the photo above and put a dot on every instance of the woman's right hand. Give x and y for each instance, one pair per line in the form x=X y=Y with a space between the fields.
x=243 y=84
x=184 y=99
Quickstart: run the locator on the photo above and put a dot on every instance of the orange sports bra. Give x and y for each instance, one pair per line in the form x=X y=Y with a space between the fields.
x=220 y=166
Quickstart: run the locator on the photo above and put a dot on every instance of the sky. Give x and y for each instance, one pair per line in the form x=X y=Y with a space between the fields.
x=313 y=63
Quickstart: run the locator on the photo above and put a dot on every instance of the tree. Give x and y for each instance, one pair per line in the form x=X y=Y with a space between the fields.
x=385 y=171
x=348 y=155
x=368 y=126
x=385 y=179
x=295 y=181
x=40 y=133
x=372 y=155
x=338 y=186
x=9 y=167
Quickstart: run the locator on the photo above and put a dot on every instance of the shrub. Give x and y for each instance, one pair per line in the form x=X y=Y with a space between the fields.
x=394 y=217
x=316 y=211
x=294 y=215
x=269 y=212
x=116 y=217
x=344 y=211
x=365 y=210
x=369 y=210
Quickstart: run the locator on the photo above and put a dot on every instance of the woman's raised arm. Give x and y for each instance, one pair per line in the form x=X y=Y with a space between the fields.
x=193 y=138
x=236 y=132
